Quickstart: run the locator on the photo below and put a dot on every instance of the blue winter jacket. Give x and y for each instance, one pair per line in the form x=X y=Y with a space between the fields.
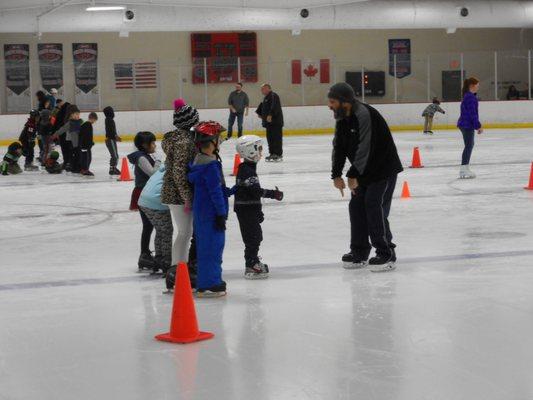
x=210 y=197
x=469 y=118
x=151 y=194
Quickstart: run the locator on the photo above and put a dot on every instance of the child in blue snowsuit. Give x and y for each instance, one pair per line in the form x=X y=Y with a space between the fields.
x=210 y=209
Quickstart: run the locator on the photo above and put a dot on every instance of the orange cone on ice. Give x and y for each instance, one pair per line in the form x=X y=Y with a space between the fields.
x=406 y=194
x=183 y=323
x=124 y=171
x=236 y=163
x=530 y=187
x=416 y=163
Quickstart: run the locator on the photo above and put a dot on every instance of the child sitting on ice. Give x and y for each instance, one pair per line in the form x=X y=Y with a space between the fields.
x=10 y=165
x=210 y=209
x=429 y=113
x=248 y=205
x=51 y=165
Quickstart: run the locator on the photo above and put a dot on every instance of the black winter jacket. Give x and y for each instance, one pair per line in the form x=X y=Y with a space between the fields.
x=86 y=136
x=248 y=189
x=110 y=127
x=271 y=105
x=364 y=138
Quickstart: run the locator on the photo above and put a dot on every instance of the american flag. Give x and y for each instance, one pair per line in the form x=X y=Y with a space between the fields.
x=141 y=75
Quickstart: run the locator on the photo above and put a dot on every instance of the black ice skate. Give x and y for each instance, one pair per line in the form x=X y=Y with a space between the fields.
x=87 y=174
x=351 y=261
x=214 y=291
x=146 y=262
x=161 y=264
x=383 y=264
x=257 y=271
x=269 y=158
x=277 y=158
x=170 y=279
x=31 y=167
x=114 y=171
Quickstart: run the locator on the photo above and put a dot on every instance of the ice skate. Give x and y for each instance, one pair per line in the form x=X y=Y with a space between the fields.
x=257 y=271
x=146 y=262
x=430 y=132
x=382 y=264
x=31 y=167
x=277 y=158
x=214 y=291
x=466 y=173
x=114 y=171
x=87 y=174
x=269 y=158
x=161 y=264
x=351 y=261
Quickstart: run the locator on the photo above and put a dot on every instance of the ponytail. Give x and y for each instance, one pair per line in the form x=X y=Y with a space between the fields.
x=467 y=83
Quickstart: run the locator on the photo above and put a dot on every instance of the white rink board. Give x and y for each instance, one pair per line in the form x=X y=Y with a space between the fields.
x=297 y=118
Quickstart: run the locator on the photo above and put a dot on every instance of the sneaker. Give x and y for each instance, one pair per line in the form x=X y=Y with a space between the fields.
x=146 y=262
x=382 y=264
x=31 y=167
x=214 y=291
x=351 y=261
x=87 y=174
x=114 y=171
x=257 y=271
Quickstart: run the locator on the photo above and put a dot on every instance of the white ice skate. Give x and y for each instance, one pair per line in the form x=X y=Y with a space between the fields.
x=466 y=173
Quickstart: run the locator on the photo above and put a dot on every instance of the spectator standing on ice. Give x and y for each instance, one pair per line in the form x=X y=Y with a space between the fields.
x=238 y=108
x=363 y=137
x=271 y=116
x=468 y=124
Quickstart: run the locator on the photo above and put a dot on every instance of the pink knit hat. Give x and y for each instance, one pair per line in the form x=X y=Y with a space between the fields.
x=178 y=103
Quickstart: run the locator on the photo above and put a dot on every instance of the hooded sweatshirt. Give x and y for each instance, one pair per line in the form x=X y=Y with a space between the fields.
x=110 y=127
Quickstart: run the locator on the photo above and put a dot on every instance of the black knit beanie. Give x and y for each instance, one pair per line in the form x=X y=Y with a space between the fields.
x=186 y=117
x=343 y=92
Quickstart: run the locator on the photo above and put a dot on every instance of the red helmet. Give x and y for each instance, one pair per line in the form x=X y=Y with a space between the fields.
x=207 y=131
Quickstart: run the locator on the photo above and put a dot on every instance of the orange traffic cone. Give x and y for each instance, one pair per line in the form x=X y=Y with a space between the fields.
x=124 y=171
x=183 y=324
x=406 y=194
x=530 y=187
x=236 y=163
x=416 y=163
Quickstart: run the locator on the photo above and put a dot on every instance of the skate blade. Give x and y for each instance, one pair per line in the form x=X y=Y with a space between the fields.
x=383 y=268
x=349 y=265
x=209 y=295
x=255 y=277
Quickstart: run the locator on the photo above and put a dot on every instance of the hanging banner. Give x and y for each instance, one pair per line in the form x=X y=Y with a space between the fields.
x=17 y=66
x=402 y=49
x=85 y=57
x=51 y=66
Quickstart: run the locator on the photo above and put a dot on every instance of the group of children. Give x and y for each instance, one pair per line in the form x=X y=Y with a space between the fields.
x=210 y=205
x=60 y=126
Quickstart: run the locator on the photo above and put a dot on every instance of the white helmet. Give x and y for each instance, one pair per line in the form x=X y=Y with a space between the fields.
x=250 y=147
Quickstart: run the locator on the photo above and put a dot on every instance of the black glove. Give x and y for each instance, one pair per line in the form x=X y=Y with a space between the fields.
x=274 y=194
x=220 y=222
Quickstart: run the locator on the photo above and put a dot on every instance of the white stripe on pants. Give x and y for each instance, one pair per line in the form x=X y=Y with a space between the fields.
x=182 y=225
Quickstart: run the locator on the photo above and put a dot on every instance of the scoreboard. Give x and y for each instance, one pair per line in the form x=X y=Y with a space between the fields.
x=221 y=51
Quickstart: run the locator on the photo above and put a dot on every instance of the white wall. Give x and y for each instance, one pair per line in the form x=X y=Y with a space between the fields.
x=298 y=118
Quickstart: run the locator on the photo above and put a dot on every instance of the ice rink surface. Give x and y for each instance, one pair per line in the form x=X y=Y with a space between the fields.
x=454 y=321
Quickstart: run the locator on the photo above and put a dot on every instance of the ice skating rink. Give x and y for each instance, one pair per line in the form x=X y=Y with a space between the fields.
x=454 y=321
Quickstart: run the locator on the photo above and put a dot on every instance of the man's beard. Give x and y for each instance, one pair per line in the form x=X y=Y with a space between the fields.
x=340 y=113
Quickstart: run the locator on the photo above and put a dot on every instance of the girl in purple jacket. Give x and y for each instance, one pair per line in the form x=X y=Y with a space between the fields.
x=468 y=124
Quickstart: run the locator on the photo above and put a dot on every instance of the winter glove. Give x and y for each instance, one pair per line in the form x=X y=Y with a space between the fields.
x=274 y=194
x=220 y=223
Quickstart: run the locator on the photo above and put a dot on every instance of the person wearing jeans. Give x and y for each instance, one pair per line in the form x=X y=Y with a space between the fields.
x=468 y=123
x=238 y=108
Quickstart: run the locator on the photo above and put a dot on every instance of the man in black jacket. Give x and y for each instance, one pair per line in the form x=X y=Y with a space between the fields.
x=86 y=144
x=111 y=139
x=363 y=137
x=271 y=115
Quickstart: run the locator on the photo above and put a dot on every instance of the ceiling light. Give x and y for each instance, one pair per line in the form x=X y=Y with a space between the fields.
x=106 y=8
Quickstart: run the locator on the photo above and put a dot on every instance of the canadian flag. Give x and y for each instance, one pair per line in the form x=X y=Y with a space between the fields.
x=316 y=71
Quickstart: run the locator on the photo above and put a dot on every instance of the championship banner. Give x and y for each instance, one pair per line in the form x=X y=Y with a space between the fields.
x=51 y=65
x=17 y=65
x=402 y=49
x=85 y=57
